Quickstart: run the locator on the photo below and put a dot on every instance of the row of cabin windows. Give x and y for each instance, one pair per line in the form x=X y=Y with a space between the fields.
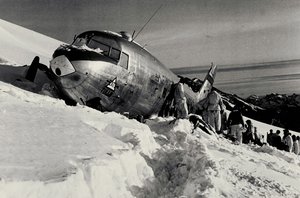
x=111 y=52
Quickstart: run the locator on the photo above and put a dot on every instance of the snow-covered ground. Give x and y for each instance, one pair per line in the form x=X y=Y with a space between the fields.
x=49 y=149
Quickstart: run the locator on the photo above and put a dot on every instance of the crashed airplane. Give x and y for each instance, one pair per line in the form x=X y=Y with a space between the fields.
x=105 y=70
x=110 y=72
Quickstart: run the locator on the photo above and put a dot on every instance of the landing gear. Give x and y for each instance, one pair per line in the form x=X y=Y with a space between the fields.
x=35 y=65
x=31 y=73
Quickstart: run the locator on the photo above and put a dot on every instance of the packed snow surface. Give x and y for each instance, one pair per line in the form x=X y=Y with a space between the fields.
x=53 y=150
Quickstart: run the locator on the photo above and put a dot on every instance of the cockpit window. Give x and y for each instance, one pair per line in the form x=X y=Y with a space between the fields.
x=79 y=41
x=103 y=45
x=94 y=44
x=106 y=49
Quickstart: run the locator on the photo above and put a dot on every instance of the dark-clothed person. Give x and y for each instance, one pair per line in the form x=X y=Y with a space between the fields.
x=295 y=145
x=298 y=139
x=277 y=140
x=248 y=136
x=257 y=139
x=236 y=124
x=270 y=137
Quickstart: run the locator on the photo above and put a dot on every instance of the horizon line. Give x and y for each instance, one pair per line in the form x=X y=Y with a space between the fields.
x=233 y=67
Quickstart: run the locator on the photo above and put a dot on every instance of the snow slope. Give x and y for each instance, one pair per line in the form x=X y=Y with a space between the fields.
x=20 y=45
x=53 y=150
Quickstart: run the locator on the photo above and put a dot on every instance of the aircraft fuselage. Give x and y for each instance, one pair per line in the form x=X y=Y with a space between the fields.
x=108 y=68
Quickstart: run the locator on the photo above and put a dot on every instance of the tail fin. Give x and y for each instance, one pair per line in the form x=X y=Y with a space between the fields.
x=207 y=83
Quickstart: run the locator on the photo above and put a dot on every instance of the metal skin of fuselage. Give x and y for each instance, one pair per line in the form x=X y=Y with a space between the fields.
x=139 y=85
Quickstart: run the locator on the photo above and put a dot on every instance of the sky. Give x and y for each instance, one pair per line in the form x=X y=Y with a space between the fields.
x=182 y=33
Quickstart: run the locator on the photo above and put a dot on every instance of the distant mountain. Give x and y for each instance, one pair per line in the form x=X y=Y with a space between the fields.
x=276 y=109
x=282 y=110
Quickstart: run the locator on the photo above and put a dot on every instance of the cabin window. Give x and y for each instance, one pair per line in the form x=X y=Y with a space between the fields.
x=114 y=54
x=124 y=60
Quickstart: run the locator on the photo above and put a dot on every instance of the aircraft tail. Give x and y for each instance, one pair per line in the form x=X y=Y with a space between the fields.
x=207 y=83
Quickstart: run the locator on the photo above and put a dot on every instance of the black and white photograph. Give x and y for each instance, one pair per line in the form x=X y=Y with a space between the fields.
x=149 y=99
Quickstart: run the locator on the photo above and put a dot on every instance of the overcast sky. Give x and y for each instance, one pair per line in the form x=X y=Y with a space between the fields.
x=183 y=33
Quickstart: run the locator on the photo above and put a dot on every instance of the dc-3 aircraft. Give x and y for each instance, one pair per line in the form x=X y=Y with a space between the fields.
x=104 y=70
x=110 y=72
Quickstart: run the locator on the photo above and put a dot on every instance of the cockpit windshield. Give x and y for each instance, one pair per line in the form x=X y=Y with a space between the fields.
x=103 y=45
x=95 y=44
x=106 y=46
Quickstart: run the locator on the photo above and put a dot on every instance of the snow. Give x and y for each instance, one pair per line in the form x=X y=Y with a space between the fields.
x=49 y=149
x=53 y=150
x=20 y=45
x=47 y=145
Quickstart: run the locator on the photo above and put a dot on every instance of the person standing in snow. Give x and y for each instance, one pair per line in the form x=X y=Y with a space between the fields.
x=295 y=145
x=262 y=140
x=270 y=137
x=223 y=120
x=287 y=141
x=257 y=138
x=181 y=109
x=277 y=140
x=236 y=124
x=248 y=136
x=214 y=109
x=298 y=140
x=201 y=109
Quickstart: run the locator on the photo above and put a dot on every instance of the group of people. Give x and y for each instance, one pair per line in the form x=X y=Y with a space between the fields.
x=233 y=127
x=288 y=142
x=213 y=112
x=239 y=131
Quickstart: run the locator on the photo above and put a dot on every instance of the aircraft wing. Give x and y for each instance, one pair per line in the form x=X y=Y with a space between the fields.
x=207 y=83
x=20 y=45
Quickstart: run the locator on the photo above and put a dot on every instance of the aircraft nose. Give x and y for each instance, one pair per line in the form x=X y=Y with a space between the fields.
x=61 y=66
